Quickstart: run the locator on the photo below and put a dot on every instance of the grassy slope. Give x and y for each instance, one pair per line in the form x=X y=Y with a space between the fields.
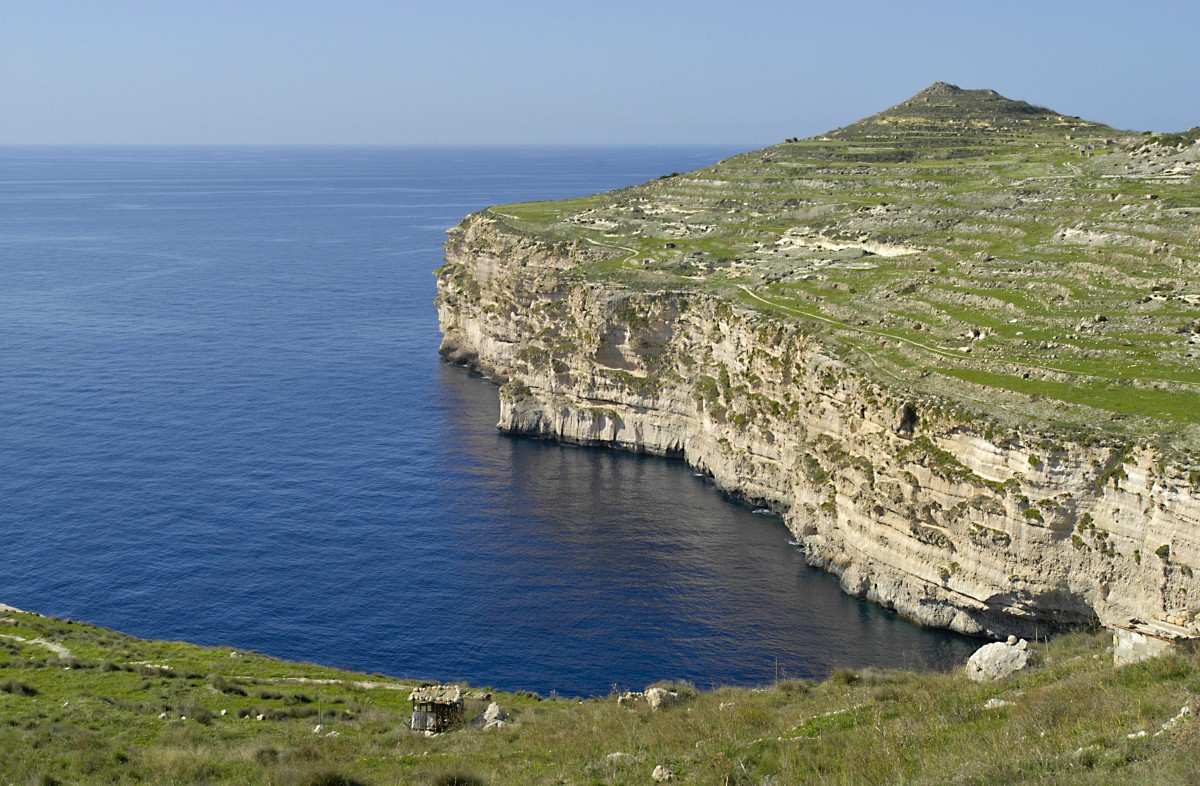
x=95 y=718
x=1025 y=226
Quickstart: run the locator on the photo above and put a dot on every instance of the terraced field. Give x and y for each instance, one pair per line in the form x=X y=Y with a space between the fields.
x=1000 y=257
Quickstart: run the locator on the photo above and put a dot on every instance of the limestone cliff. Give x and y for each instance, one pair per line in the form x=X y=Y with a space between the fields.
x=914 y=503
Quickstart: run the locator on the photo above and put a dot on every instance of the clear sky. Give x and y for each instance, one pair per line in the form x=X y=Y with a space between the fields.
x=599 y=71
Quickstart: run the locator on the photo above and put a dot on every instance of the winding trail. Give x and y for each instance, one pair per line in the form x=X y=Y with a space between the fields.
x=624 y=262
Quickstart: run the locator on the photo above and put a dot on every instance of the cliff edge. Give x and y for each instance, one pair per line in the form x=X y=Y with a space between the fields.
x=955 y=345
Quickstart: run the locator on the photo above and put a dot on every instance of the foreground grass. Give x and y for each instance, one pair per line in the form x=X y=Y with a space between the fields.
x=124 y=710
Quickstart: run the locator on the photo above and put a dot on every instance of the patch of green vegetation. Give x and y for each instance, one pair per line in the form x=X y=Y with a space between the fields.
x=941 y=462
x=987 y=535
x=813 y=470
x=1172 y=405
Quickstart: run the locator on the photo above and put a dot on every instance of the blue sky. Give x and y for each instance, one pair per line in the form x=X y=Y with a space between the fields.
x=656 y=71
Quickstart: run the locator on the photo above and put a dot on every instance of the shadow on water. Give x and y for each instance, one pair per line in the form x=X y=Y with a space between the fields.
x=636 y=567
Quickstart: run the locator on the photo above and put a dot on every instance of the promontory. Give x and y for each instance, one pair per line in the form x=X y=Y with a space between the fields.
x=956 y=345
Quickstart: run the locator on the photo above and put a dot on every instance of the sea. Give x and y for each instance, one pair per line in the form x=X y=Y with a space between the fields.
x=223 y=419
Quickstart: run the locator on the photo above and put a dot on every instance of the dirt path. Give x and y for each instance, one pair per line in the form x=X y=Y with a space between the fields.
x=54 y=647
x=315 y=681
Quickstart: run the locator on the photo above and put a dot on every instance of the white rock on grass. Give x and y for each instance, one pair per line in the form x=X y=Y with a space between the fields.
x=662 y=774
x=491 y=718
x=998 y=660
x=658 y=698
x=494 y=713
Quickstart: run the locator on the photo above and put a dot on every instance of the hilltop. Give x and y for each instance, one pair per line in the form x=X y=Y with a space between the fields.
x=942 y=108
x=80 y=704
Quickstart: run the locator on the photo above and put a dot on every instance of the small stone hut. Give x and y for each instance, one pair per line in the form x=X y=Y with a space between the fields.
x=436 y=707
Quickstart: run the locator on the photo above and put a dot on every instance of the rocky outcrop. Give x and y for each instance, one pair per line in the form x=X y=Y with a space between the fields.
x=914 y=504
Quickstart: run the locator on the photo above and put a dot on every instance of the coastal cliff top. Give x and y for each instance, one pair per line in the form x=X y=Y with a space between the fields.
x=960 y=244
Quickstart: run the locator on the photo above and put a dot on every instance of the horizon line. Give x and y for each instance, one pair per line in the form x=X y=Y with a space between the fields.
x=747 y=145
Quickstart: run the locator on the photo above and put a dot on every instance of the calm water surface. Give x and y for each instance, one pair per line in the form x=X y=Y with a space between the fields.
x=223 y=419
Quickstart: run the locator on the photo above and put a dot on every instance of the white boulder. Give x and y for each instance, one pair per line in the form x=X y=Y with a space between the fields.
x=998 y=660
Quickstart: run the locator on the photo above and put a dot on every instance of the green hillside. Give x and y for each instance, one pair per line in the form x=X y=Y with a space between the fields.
x=83 y=705
x=995 y=255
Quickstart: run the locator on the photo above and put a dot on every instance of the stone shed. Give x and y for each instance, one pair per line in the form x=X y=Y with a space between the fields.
x=436 y=707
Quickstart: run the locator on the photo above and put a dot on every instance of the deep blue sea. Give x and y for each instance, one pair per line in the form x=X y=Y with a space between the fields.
x=223 y=419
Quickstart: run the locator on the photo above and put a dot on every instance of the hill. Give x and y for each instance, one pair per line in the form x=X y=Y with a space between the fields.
x=1023 y=263
x=944 y=108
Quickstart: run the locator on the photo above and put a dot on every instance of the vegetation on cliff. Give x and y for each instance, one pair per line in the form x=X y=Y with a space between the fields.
x=1016 y=262
x=79 y=704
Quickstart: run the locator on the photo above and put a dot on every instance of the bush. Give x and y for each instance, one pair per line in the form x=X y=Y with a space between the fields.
x=18 y=688
x=330 y=778
x=457 y=779
x=222 y=685
x=844 y=677
x=794 y=687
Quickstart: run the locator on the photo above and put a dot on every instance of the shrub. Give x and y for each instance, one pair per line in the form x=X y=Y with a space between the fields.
x=457 y=779
x=330 y=778
x=844 y=677
x=222 y=685
x=794 y=687
x=18 y=688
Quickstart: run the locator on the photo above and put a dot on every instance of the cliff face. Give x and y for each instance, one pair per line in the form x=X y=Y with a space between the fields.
x=921 y=509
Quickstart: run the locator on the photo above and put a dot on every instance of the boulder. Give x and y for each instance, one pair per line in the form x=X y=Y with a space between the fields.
x=492 y=718
x=494 y=713
x=658 y=698
x=994 y=661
